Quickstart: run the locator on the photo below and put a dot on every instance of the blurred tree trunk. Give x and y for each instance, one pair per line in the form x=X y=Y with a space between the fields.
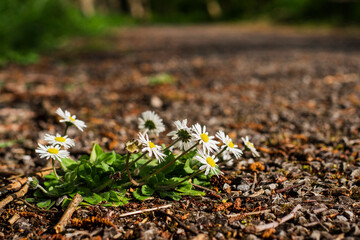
x=214 y=8
x=139 y=9
x=106 y=6
x=88 y=7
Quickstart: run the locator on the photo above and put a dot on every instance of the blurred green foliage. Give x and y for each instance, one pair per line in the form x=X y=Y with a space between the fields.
x=30 y=26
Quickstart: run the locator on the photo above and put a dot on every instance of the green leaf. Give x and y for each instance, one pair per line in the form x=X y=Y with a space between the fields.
x=95 y=152
x=108 y=158
x=170 y=157
x=69 y=163
x=30 y=200
x=187 y=167
x=44 y=204
x=85 y=171
x=7 y=144
x=65 y=203
x=94 y=199
x=184 y=187
x=138 y=195
x=192 y=193
x=161 y=78
x=146 y=190
x=173 y=195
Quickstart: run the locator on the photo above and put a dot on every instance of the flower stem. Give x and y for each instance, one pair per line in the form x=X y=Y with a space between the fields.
x=128 y=171
x=133 y=162
x=54 y=169
x=170 y=163
x=66 y=128
x=168 y=147
x=219 y=153
x=178 y=183
x=139 y=169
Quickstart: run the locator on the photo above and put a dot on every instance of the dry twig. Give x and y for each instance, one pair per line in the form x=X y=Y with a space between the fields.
x=16 y=185
x=237 y=217
x=205 y=188
x=13 y=196
x=145 y=210
x=14 y=218
x=289 y=188
x=60 y=226
x=264 y=227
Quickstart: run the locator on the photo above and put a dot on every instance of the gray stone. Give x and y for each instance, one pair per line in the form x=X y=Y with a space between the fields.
x=252 y=237
x=315 y=235
x=302 y=220
x=326 y=235
x=243 y=187
x=349 y=214
x=219 y=235
x=355 y=230
x=273 y=186
x=341 y=218
x=346 y=200
x=355 y=173
x=343 y=226
x=226 y=186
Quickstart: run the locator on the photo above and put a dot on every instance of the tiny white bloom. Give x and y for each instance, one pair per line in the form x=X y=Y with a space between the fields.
x=151 y=123
x=183 y=133
x=203 y=137
x=67 y=118
x=150 y=147
x=53 y=152
x=250 y=146
x=228 y=144
x=209 y=163
x=63 y=141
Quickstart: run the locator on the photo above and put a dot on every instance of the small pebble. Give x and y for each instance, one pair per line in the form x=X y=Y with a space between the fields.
x=219 y=235
x=315 y=235
x=243 y=187
x=273 y=186
x=302 y=220
x=341 y=218
x=349 y=214
x=226 y=186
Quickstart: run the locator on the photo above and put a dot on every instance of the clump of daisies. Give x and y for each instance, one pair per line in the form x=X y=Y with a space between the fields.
x=147 y=163
x=185 y=139
x=59 y=144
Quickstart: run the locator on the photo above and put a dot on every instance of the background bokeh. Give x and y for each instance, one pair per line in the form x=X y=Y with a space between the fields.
x=28 y=27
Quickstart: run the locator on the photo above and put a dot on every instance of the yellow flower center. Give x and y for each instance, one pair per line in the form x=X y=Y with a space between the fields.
x=151 y=145
x=60 y=139
x=204 y=137
x=231 y=144
x=53 y=150
x=210 y=161
x=72 y=119
x=250 y=145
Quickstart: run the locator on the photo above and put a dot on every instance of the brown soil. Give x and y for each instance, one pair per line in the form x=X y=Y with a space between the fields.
x=296 y=93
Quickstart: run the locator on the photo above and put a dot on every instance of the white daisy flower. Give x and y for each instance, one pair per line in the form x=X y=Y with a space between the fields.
x=53 y=152
x=63 y=141
x=150 y=147
x=250 y=146
x=203 y=137
x=182 y=132
x=68 y=119
x=151 y=123
x=228 y=144
x=209 y=163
